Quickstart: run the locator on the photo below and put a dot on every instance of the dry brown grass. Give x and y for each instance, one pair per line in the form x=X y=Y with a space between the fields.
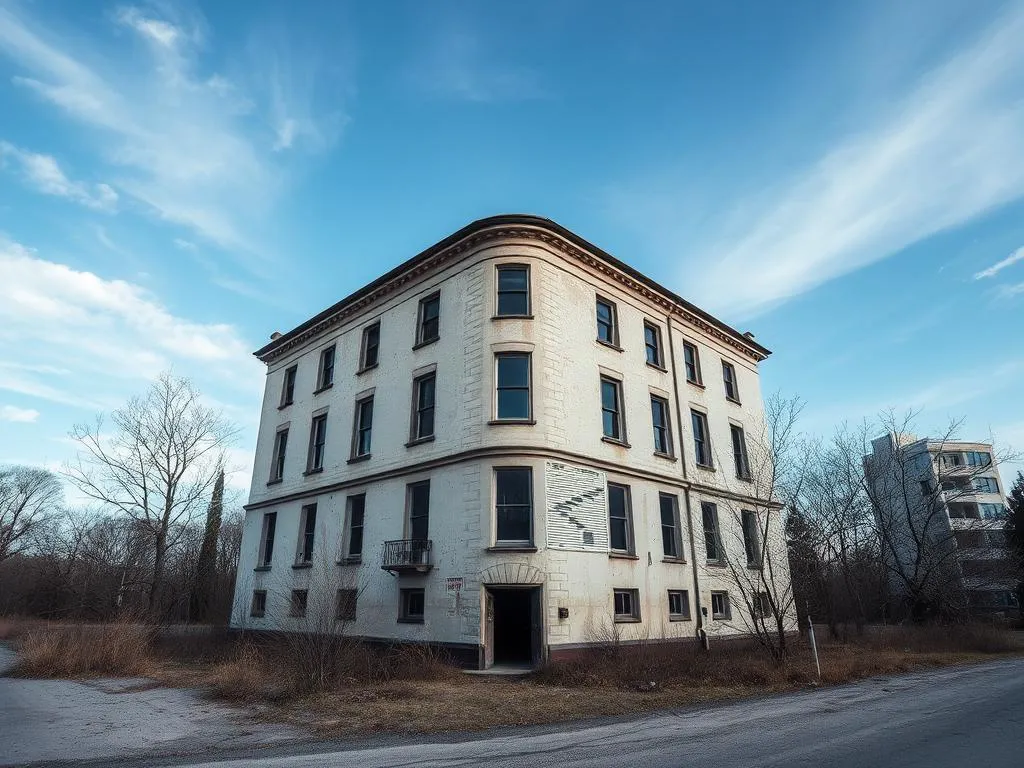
x=84 y=650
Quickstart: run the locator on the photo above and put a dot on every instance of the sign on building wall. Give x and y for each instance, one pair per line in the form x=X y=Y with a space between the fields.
x=577 y=511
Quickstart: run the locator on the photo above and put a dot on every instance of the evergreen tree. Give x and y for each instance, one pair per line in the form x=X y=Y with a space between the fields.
x=206 y=568
x=1015 y=528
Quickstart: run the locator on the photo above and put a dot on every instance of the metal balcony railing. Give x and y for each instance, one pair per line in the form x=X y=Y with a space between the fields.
x=405 y=555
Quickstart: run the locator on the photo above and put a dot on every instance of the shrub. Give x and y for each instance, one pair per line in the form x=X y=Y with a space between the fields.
x=83 y=650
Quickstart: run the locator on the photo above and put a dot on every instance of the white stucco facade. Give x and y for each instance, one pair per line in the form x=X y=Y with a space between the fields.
x=571 y=578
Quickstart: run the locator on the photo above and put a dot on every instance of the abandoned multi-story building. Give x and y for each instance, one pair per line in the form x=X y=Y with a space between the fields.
x=941 y=512
x=512 y=445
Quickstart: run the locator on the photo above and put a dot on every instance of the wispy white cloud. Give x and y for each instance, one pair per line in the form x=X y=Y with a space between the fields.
x=185 y=245
x=1010 y=291
x=16 y=414
x=43 y=174
x=999 y=266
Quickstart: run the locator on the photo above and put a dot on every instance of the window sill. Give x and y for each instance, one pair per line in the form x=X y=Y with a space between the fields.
x=316 y=471
x=721 y=617
x=666 y=456
x=698 y=384
x=420 y=441
x=622 y=556
x=357 y=459
x=613 y=441
x=608 y=344
x=656 y=367
x=361 y=371
x=300 y=566
x=733 y=400
x=276 y=481
x=353 y=560
x=627 y=620
x=323 y=388
x=257 y=615
x=282 y=406
x=753 y=567
x=512 y=548
x=714 y=564
x=679 y=618
x=425 y=343
x=261 y=568
x=674 y=560
x=512 y=317
x=745 y=478
x=513 y=422
x=706 y=467
x=403 y=620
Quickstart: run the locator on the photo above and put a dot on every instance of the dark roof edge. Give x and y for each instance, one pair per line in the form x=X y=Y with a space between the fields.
x=513 y=219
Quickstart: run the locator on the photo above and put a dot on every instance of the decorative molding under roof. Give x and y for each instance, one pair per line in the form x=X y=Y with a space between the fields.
x=511 y=227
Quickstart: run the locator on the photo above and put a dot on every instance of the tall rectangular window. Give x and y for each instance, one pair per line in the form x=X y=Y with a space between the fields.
x=413 y=604
x=712 y=541
x=652 y=345
x=762 y=605
x=678 y=605
x=671 y=541
x=308 y=535
x=620 y=519
x=739 y=452
x=751 y=537
x=317 y=441
x=419 y=511
x=691 y=361
x=513 y=494
x=611 y=409
x=297 y=608
x=512 y=376
x=345 y=605
x=424 y=390
x=732 y=387
x=662 y=430
x=370 y=350
x=353 y=536
x=701 y=439
x=259 y=604
x=363 y=427
x=513 y=290
x=607 y=324
x=720 y=606
x=267 y=539
x=288 y=386
x=627 y=604
x=428 y=328
x=325 y=374
x=280 y=450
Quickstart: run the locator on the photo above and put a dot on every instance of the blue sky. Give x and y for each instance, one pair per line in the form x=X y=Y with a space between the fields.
x=844 y=179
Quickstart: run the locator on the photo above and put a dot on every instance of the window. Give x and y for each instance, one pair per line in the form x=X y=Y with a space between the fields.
x=627 y=604
x=429 y=326
x=267 y=539
x=739 y=452
x=308 y=534
x=701 y=440
x=512 y=402
x=978 y=458
x=926 y=488
x=712 y=541
x=607 y=330
x=513 y=495
x=992 y=511
x=652 y=345
x=259 y=604
x=345 y=605
x=352 y=550
x=513 y=291
x=952 y=460
x=419 y=510
x=691 y=361
x=325 y=377
x=620 y=519
x=762 y=605
x=985 y=484
x=751 y=537
x=678 y=605
x=280 y=449
x=370 y=350
x=297 y=608
x=611 y=409
x=413 y=601
x=671 y=541
x=288 y=386
x=423 y=407
x=317 y=440
x=363 y=427
x=732 y=387
x=720 y=605
x=662 y=431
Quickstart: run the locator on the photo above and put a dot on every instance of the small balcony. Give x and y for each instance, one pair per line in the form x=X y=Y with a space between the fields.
x=407 y=556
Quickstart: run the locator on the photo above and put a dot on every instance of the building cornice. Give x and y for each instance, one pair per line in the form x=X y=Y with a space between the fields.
x=510 y=227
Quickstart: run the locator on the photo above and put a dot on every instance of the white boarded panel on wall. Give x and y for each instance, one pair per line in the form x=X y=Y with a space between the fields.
x=577 y=509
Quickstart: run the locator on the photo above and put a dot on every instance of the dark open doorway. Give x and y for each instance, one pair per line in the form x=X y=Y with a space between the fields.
x=515 y=616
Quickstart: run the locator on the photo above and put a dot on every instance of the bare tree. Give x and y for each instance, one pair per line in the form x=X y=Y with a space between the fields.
x=157 y=466
x=29 y=496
